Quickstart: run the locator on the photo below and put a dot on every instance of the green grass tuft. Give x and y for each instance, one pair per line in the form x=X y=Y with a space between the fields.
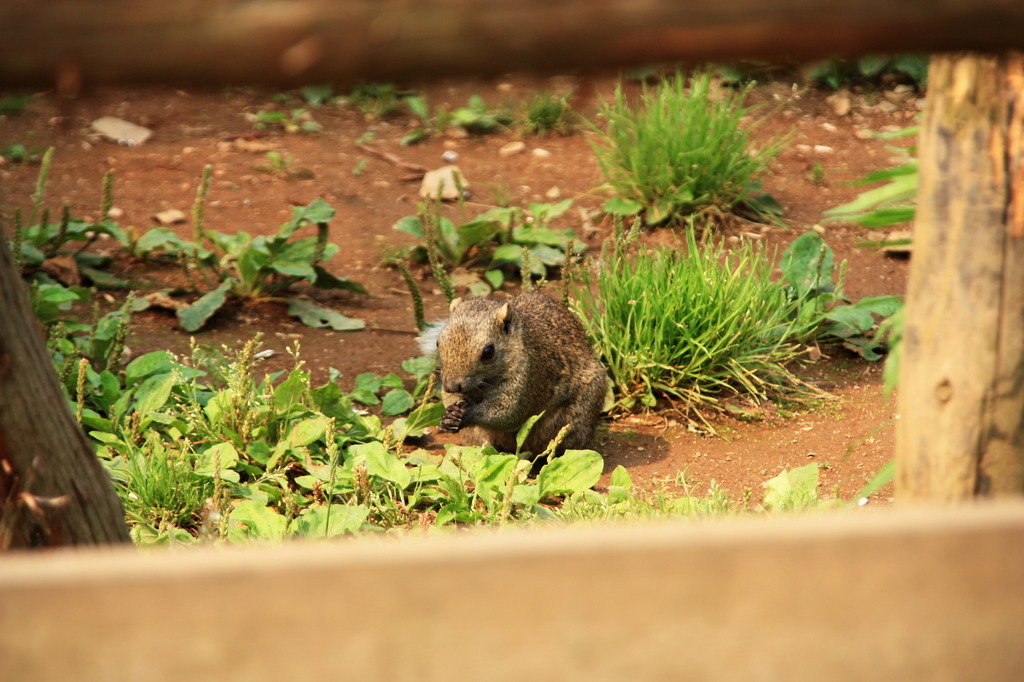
x=689 y=325
x=680 y=151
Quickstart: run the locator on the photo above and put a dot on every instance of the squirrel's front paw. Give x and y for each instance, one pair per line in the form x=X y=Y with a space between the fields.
x=451 y=422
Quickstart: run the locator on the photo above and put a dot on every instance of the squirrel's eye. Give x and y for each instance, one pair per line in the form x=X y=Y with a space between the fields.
x=488 y=353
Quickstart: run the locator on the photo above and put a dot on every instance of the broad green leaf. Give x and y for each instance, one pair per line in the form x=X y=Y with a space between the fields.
x=250 y=266
x=808 y=263
x=548 y=255
x=477 y=232
x=423 y=417
x=621 y=477
x=872 y=64
x=548 y=212
x=306 y=432
x=792 y=489
x=290 y=391
x=368 y=381
x=507 y=254
x=410 y=225
x=222 y=455
x=313 y=315
x=157 y=362
x=419 y=367
x=323 y=521
x=622 y=206
x=102 y=279
x=193 y=317
x=154 y=392
x=381 y=463
x=318 y=211
x=524 y=431
x=526 y=494
x=495 y=278
x=325 y=280
x=418 y=106
x=397 y=401
x=492 y=475
x=252 y=520
x=574 y=470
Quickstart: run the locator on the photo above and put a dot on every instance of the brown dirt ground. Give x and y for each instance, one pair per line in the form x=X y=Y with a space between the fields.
x=851 y=434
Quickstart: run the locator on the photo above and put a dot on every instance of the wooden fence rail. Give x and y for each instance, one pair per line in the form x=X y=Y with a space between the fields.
x=305 y=41
x=889 y=595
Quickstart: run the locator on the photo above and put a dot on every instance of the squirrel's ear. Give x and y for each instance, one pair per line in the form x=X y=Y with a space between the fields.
x=454 y=304
x=502 y=316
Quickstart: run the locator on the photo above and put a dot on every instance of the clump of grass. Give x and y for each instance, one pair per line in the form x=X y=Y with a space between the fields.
x=689 y=326
x=681 y=151
x=548 y=114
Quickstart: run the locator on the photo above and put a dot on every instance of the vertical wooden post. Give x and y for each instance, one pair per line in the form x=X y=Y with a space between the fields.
x=961 y=397
x=53 y=490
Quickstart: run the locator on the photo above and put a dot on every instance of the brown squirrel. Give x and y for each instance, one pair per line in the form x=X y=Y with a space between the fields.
x=503 y=362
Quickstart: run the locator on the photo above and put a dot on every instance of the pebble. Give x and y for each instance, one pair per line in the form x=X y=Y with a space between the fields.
x=450 y=156
x=540 y=153
x=517 y=147
x=841 y=103
x=554 y=194
x=171 y=216
x=863 y=134
x=441 y=181
x=822 y=149
x=121 y=131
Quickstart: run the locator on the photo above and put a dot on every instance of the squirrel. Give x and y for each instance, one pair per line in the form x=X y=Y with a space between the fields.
x=504 y=362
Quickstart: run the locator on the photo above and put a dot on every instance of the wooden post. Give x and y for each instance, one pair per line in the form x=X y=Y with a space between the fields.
x=961 y=391
x=53 y=490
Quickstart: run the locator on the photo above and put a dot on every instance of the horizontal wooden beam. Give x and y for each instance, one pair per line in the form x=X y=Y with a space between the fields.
x=306 y=41
x=895 y=595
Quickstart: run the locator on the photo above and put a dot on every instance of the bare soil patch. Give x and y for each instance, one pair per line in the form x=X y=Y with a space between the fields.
x=851 y=434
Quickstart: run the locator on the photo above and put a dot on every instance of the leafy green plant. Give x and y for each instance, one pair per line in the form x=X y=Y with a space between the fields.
x=283 y=165
x=500 y=239
x=836 y=73
x=317 y=95
x=198 y=446
x=796 y=490
x=821 y=310
x=548 y=114
x=263 y=267
x=12 y=105
x=480 y=118
x=688 y=327
x=375 y=100
x=297 y=120
x=681 y=152
x=428 y=126
x=19 y=153
x=67 y=239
